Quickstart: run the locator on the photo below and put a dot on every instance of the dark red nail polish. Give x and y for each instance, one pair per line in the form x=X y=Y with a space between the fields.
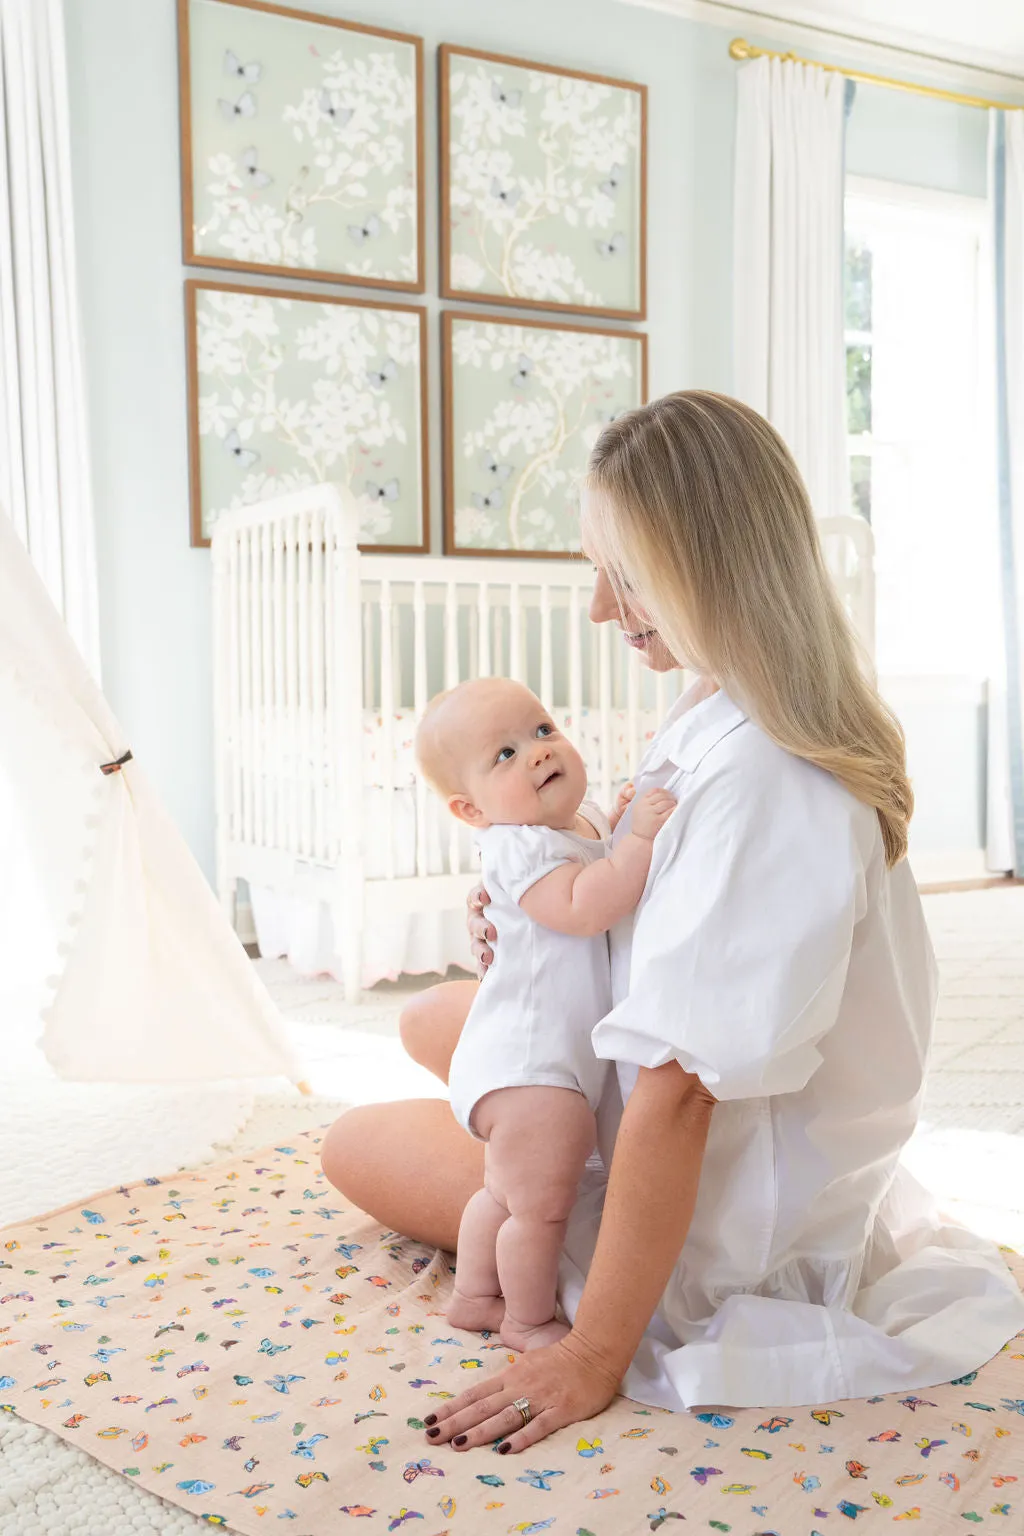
x=433 y=1433
x=431 y=1418
x=460 y=1440
x=504 y=1448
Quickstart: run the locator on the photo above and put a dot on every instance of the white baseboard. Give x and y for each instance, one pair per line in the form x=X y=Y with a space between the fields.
x=950 y=866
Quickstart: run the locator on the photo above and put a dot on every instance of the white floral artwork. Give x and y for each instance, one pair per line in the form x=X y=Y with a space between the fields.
x=544 y=177
x=304 y=145
x=526 y=404
x=291 y=390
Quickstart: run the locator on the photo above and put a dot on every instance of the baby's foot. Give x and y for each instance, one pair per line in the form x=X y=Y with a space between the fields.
x=525 y=1336
x=480 y=1314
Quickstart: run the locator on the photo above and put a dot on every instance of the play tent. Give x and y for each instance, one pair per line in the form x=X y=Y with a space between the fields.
x=137 y=973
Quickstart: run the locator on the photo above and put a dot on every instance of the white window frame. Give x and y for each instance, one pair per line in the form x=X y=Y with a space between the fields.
x=897 y=203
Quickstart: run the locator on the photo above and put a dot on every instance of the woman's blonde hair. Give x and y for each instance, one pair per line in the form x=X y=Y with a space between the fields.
x=702 y=517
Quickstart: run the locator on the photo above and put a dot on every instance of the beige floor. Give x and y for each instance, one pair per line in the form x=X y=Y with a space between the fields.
x=67 y=1140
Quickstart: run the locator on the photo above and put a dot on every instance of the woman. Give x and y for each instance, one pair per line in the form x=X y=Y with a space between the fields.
x=753 y=1241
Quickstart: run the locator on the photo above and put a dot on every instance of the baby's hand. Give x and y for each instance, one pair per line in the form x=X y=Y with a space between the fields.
x=651 y=812
x=623 y=798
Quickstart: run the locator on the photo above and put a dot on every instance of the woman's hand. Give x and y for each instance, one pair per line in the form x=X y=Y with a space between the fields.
x=563 y=1383
x=481 y=932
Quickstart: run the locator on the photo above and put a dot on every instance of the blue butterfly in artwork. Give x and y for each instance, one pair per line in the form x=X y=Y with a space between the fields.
x=1014 y=1404
x=267 y=1348
x=282 y=1383
x=196 y=1485
x=716 y=1420
x=261 y=1274
x=94 y=1218
x=490 y=1480
x=243 y=1381
x=964 y=1381
x=539 y=1479
x=849 y=1509
x=348 y=1249
x=305 y=1447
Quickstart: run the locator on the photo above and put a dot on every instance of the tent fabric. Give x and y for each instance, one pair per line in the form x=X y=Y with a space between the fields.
x=146 y=981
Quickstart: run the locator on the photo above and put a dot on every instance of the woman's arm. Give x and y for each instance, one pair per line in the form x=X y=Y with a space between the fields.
x=652 y=1189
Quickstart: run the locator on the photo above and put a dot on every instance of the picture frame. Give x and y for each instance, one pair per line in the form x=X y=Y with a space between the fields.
x=289 y=388
x=302 y=145
x=517 y=135
x=511 y=388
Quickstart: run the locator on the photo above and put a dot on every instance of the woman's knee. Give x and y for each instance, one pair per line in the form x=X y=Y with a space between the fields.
x=415 y=1025
x=344 y=1156
x=431 y=1022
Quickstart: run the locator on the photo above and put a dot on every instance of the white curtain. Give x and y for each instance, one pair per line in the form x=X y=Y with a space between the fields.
x=1006 y=704
x=44 y=467
x=112 y=928
x=788 y=349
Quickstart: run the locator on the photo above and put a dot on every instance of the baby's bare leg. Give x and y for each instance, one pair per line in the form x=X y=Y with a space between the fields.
x=476 y=1301
x=538 y=1142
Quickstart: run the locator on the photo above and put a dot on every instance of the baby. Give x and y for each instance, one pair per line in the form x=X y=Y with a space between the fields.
x=524 y=1077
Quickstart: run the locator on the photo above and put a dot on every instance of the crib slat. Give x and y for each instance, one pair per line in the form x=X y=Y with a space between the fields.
x=481 y=631
x=451 y=678
x=305 y=712
x=234 y=692
x=387 y=708
x=605 y=704
x=546 y=680
x=319 y=745
x=516 y=668
x=419 y=704
x=266 y=689
x=245 y=644
x=575 y=666
x=369 y=691
x=290 y=742
x=277 y=759
x=451 y=635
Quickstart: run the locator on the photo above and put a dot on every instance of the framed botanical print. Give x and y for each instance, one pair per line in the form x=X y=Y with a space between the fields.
x=524 y=404
x=543 y=186
x=289 y=388
x=301 y=144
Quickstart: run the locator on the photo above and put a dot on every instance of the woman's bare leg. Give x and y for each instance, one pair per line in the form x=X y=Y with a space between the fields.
x=411 y=1165
x=432 y=1021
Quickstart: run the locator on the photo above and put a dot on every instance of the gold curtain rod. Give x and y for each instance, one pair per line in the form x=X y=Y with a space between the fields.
x=739 y=48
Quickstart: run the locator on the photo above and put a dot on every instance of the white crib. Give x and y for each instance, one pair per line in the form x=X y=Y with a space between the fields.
x=324 y=659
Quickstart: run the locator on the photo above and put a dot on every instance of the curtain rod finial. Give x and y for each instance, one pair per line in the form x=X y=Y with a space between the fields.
x=739 y=48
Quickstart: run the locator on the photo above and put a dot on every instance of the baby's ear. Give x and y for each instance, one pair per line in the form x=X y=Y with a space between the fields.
x=464 y=810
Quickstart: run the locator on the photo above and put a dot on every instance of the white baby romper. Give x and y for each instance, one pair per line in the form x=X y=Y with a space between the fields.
x=531 y=1021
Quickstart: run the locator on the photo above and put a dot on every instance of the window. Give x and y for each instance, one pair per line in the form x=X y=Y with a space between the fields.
x=920 y=419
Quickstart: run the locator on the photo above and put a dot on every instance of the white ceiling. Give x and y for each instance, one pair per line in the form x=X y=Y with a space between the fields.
x=985 y=34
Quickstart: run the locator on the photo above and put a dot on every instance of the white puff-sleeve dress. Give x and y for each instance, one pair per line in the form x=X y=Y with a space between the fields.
x=775 y=956
x=531 y=1020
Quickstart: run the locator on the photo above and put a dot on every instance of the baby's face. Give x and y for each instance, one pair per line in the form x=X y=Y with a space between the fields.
x=516 y=766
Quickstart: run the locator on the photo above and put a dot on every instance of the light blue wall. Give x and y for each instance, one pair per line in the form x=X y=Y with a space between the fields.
x=122 y=64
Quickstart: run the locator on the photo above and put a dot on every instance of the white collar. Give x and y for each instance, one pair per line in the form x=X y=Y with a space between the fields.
x=691 y=729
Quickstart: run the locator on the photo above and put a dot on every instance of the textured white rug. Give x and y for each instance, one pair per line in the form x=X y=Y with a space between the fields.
x=60 y=1141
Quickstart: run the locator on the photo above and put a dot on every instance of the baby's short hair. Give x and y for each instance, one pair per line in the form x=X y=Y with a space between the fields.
x=434 y=757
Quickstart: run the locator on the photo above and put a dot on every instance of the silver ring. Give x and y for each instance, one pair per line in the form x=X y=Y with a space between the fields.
x=523 y=1406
